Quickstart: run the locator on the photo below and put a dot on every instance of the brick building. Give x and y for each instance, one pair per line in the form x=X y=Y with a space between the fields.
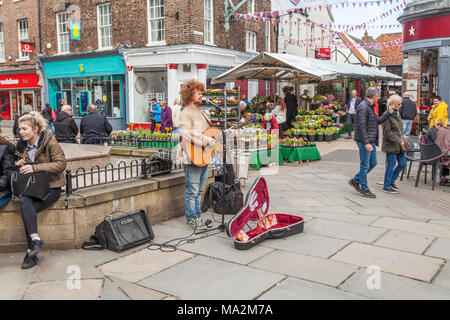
x=20 y=80
x=131 y=51
x=392 y=59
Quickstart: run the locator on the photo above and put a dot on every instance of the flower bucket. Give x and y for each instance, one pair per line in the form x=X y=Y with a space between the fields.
x=320 y=137
x=312 y=137
x=329 y=138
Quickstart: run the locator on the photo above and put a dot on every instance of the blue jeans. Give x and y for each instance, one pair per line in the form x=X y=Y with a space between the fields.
x=407 y=125
x=4 y=201
x=52 y=127
x=195 y=179
x=392 y=171
x=367 y=161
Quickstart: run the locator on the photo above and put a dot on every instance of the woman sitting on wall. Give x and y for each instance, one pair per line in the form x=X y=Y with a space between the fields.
x=38 y=150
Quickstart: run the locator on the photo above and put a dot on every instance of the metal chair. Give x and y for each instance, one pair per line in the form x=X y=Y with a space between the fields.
x=429 y=151
x=413 y=140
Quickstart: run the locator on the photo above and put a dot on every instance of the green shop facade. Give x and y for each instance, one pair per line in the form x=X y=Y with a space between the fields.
x=82 y=79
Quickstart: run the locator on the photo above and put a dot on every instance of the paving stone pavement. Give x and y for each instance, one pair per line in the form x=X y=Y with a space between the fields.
x=391 y=247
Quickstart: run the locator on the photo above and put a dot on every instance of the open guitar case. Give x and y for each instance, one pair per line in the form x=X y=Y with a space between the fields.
x=268 y=226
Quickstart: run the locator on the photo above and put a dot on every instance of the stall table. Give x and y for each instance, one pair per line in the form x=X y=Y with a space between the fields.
x=300 y=154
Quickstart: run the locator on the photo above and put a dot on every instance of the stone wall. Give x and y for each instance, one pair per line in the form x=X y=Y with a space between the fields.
x=67 y=228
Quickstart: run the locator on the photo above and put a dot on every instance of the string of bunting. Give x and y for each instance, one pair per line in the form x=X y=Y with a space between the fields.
x=264 y=16
x=364 y=45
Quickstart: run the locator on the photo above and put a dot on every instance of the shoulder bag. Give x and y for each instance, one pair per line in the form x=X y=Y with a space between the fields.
x=405 y=147
x=34 y=185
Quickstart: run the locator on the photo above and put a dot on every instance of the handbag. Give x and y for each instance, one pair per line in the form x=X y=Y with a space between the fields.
x=405 y=147
x=121 y=233
x=34 y=185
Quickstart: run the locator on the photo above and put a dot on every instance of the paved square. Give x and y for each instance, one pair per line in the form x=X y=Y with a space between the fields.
x=405 y=241
x=392 y=261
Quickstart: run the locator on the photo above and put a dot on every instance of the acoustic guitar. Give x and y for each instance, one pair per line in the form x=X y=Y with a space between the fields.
x=201 y=156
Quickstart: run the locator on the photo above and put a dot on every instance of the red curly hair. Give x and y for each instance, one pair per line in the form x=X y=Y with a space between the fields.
x=188 y=90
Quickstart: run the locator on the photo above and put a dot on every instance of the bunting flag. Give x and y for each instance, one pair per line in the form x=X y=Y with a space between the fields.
x=365 y=45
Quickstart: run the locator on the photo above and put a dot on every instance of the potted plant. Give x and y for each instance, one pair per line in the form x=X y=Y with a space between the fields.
x=328 y=135
x=311 y=135
x=320 y=134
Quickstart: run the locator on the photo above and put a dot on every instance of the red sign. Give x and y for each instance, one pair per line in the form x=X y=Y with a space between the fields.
x=26 y=47
x=18 y=81
x=323 y=53
x=130 y=68
x=435 y=27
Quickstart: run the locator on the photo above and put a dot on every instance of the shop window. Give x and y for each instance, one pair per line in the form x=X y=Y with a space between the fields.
x=63 y=32
x=2 y=44
x=156 y=25
x=23 y=36
x=104 y=26
x=209 y=22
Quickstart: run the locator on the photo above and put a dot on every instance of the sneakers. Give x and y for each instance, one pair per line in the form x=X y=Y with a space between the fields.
x=37 y=245
x=390 y=190
x=196 y=223
x=355 y=185
x=29 y=262
x=348 y=137
x=393 y=186
x=368 y=194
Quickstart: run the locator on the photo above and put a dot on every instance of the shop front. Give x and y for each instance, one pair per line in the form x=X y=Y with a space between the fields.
x=84 y=81
x=159 y=72
x=426 y=51
x=16 y=91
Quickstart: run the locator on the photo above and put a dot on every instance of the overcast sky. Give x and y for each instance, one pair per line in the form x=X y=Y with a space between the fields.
x=358 y=15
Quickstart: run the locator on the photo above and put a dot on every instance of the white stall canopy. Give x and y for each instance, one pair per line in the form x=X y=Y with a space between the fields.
x=287 y=67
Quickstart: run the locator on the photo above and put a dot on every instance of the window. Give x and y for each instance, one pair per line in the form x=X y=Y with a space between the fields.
x=63 y=32
x=267 y=88
x=104 y=26
x=322 y=38
x=2 y=45
x=23 y=36
x=156 y=27
x=267 y=35
x=209 y=22
x=251 y=41
x=251 y=6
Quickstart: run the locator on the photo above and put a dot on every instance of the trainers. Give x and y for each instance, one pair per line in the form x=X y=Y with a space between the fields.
x=348 y=137
x=393 y=186
x=367 y=194
x=355 y=185
x=200 y=224
x=390 y=190
x=191 y=223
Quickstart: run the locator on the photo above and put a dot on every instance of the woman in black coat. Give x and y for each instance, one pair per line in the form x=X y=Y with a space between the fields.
x=6 y=160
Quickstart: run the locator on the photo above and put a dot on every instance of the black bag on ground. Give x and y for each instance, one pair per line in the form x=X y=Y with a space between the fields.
x=34 y=185
x=223 y=198
x=121 y=233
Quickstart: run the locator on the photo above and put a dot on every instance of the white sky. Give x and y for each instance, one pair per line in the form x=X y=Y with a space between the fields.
x=355 y=16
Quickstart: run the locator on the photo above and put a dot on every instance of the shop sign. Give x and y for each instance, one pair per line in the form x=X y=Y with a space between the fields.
x=323 y=53
x=428 y=28
x=75 y=31
x=26 y=47
x=18 y=81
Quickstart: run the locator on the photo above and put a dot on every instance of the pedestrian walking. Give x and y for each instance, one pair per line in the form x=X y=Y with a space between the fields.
x=47 y=113
x=176 y=113
x=166 y=118
x=353 y=103
x=94 y=127
x=38 y=150
x=408 y=112
x=392 y=140
x=366 y=137
x=291 y=104
x=66 y=130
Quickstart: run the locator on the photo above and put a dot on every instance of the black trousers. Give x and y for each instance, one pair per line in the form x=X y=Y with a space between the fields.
x=290 y=117
x=351 y=118
x=29 y=208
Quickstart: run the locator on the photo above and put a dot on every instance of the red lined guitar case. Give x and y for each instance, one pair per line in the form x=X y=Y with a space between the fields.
x=268 y=226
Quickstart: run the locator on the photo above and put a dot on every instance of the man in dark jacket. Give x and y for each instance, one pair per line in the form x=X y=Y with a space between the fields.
x=353 y=103
x=94 y=128
x=66 y=130
x=408 y=112
x=292 y=107
x=366 y=137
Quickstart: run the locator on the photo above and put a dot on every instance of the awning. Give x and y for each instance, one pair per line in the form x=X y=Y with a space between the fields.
x=286 y=67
